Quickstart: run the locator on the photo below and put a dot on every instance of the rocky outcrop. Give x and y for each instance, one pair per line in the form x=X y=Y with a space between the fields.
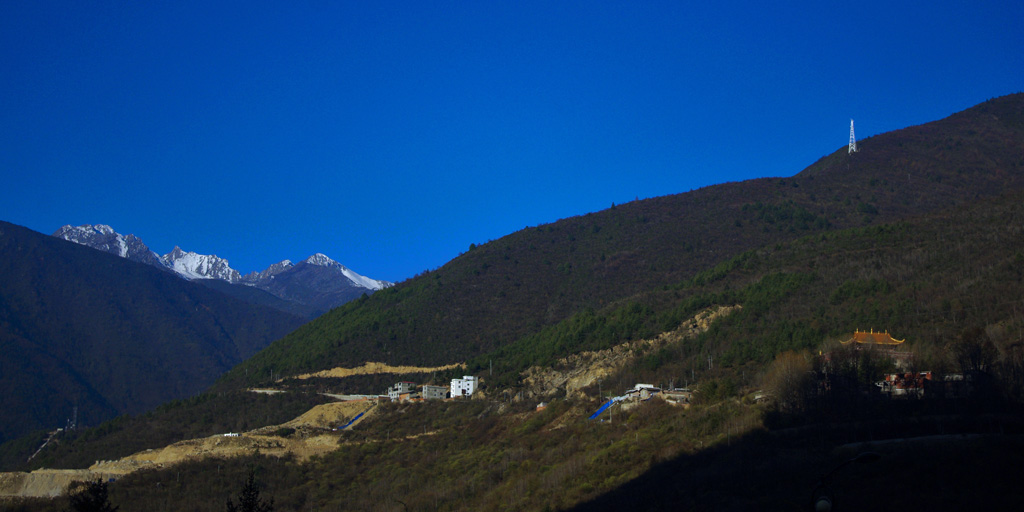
x=574 y=373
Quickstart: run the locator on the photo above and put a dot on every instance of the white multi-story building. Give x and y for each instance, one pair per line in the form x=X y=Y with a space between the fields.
x=433 y=392
x=395 y=392
x=465 y=386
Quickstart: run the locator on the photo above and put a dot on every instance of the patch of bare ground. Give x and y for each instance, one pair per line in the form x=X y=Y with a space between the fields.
x=312 y=433
x=374 y=368
x=45 y=483
x=573 y=373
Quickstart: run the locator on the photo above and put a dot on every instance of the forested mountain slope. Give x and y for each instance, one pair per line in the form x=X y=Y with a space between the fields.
x=939 y=280
x=84 y=329
x=503 y=290
x=797 y=267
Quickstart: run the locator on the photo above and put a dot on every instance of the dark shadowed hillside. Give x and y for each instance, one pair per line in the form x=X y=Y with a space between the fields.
x=315 y=286
x=505 y=289
x=82 y=328
x=254 y=295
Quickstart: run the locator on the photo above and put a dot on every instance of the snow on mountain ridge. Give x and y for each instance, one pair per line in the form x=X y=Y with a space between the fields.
x=322 y=260
x=103 y=237
x=252 y=278
x=330 y=276
x=200 y=266
x=83 y=232
x=364 y=281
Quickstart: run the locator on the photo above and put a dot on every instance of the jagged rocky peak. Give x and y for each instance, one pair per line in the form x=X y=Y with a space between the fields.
x=97 y=236
x=285 y=278
x=84 y=230
x=200 y=266
x=269 y=273
x=318 y=281
x=104 y=238
x=321 y=260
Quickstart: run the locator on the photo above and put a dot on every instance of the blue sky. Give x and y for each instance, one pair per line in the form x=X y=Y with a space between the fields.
x=391 y=135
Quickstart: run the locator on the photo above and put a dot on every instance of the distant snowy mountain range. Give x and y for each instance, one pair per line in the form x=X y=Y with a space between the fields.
x=318 y=283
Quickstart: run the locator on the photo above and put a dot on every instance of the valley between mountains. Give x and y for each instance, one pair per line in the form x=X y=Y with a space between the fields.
x=853 y=329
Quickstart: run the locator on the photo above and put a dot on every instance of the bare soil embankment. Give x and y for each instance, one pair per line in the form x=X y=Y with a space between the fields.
x=45 y=483
x=578 y=371
x=374 y=368
x=312 y=433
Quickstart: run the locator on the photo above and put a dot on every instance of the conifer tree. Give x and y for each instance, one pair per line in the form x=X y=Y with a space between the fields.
x=91 y=497
x=249 y=498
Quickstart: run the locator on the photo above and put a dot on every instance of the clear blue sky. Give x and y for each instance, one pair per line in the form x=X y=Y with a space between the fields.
x=391 y=135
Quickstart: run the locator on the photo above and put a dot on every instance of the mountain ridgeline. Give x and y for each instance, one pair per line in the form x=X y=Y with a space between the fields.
x=309 y=288
x=532 y=281
x=89 y=331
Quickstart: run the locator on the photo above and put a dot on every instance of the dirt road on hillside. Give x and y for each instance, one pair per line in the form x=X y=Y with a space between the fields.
x=373 y=368
x=311 y=434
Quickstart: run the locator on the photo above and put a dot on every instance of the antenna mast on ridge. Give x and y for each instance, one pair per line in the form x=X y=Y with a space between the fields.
x=853 y=140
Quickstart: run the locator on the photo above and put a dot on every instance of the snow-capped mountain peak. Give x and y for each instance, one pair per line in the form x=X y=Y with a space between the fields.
x=318 y=282
x=321 y=260
x=269 y=273
x=104 y=238
x=200 y=266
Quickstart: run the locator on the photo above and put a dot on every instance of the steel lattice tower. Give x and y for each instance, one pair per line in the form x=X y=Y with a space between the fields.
x=853 y=140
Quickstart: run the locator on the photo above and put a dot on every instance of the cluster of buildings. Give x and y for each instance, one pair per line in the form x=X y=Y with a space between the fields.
x=643 y=392
x=406 y=391
x=903 y=383
x=674 y=396
x=910 y=384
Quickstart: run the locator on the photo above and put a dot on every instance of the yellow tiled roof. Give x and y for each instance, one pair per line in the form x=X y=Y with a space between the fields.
x=873 y=338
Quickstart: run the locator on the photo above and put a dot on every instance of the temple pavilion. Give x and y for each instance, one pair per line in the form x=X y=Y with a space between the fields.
x=881 y=341
x=873 y=338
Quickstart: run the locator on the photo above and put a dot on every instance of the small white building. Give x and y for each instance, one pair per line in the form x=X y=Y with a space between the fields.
x=465 y=386
x=395 y=392
x=643 y=391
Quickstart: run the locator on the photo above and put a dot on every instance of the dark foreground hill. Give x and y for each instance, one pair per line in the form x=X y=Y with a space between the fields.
x=88 y=331
x=504 y=290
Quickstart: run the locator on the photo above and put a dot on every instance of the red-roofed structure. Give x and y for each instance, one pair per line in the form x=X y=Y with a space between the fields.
x=873 y=338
